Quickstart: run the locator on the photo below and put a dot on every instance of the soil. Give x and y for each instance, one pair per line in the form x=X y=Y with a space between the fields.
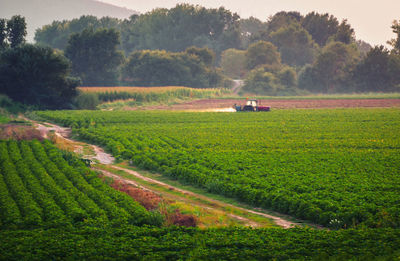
x=227 y=104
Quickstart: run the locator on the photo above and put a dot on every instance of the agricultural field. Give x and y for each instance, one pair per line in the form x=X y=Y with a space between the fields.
x=40 y=188
x=338 y=168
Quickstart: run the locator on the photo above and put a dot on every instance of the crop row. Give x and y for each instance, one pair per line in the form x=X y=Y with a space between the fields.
x=178 y=243
x=338 y=168
x=40 y=188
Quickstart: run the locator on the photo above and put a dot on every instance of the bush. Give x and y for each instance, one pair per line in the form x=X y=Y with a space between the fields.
x=86 y=101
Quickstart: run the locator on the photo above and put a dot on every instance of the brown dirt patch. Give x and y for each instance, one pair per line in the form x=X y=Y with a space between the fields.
x=18 y=132
x=210 y=104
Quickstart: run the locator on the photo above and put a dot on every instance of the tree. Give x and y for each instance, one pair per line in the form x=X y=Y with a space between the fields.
x=271 y=80
x=3 y=34
x=57 y=33
x=261 y=53
x=325 y=28
x=332 y=70
x=295 y=45
x=206 y=55
x=344 y=33
x=16 y=28
x=94 y=56
x=173 y=29
x=363 y=47
x=36 y=75
x=378 y=71
x=395 y=43
x=283 y=19
x=320 y=26
x=249 y=28
x=233 y=63
x=161 y=68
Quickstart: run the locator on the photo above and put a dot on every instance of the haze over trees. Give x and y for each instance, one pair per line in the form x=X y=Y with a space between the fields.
x=94 y=56
x=200 y=47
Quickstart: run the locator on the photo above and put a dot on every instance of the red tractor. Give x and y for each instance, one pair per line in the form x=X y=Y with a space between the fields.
x=252 y=105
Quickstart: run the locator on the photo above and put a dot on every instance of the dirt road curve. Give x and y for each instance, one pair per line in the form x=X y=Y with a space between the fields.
x=278 y=220
x=207 y=104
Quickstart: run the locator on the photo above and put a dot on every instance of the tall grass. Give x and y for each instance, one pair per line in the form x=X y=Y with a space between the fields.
x=133 y=96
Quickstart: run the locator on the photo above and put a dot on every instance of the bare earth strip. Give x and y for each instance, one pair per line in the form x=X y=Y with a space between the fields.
x=278 y=220
x=212 y=104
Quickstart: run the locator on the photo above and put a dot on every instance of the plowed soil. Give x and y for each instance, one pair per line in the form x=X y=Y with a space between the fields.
x=213 y=104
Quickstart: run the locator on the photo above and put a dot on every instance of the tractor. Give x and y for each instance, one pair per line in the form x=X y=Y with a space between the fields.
x=252 y=105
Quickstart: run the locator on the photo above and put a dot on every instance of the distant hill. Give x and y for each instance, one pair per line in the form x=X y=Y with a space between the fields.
x=41 y=12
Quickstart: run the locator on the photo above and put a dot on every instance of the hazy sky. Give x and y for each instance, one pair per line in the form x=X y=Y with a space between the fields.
x=370 y=19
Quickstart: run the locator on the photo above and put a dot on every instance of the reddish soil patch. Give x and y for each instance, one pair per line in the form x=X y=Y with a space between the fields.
x=19 y=132
x=153 y=201
x=210 y=104
x=147 y=199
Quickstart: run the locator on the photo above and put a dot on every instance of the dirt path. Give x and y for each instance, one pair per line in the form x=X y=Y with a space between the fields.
x=65 y=133
x=106 y=159
x=244 y=220
x=285 y=223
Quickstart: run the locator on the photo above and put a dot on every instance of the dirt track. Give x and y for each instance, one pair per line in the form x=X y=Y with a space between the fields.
x=210 y=104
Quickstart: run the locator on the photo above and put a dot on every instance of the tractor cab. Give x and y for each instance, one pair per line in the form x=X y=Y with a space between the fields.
x=251 y=105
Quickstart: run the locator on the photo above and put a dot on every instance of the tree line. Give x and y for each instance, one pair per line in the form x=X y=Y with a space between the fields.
x=312 y=53
x=188 y=45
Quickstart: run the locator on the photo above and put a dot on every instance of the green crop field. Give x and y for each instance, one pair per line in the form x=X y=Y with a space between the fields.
x=39 y=188
x=339 y=168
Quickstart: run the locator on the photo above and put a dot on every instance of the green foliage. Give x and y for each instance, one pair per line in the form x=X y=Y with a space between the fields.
x=249 y=27
x=12 y=32
x=161 y=68
x=332 y=70
x=378 y=71
x=295 y=45
x=260 y=81
x=3 y=34
x=94 y=56
x=36 y=75
x=205 y=55
x=283 y=19
x=320 y=26
x=183 y=26
x=57 y=33
x=10 y=106
x=261 y=53
x=16 y=28
x=291 y=161
x=173 y=29
x=39 y=188
x=271 y=80
x=395 y=43
x=177 y=243
x=86 y=101
x=233 y=63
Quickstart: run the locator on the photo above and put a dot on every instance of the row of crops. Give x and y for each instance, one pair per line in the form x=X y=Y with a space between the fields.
x=338 y=168
x=40 y=189
x=178 y=243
